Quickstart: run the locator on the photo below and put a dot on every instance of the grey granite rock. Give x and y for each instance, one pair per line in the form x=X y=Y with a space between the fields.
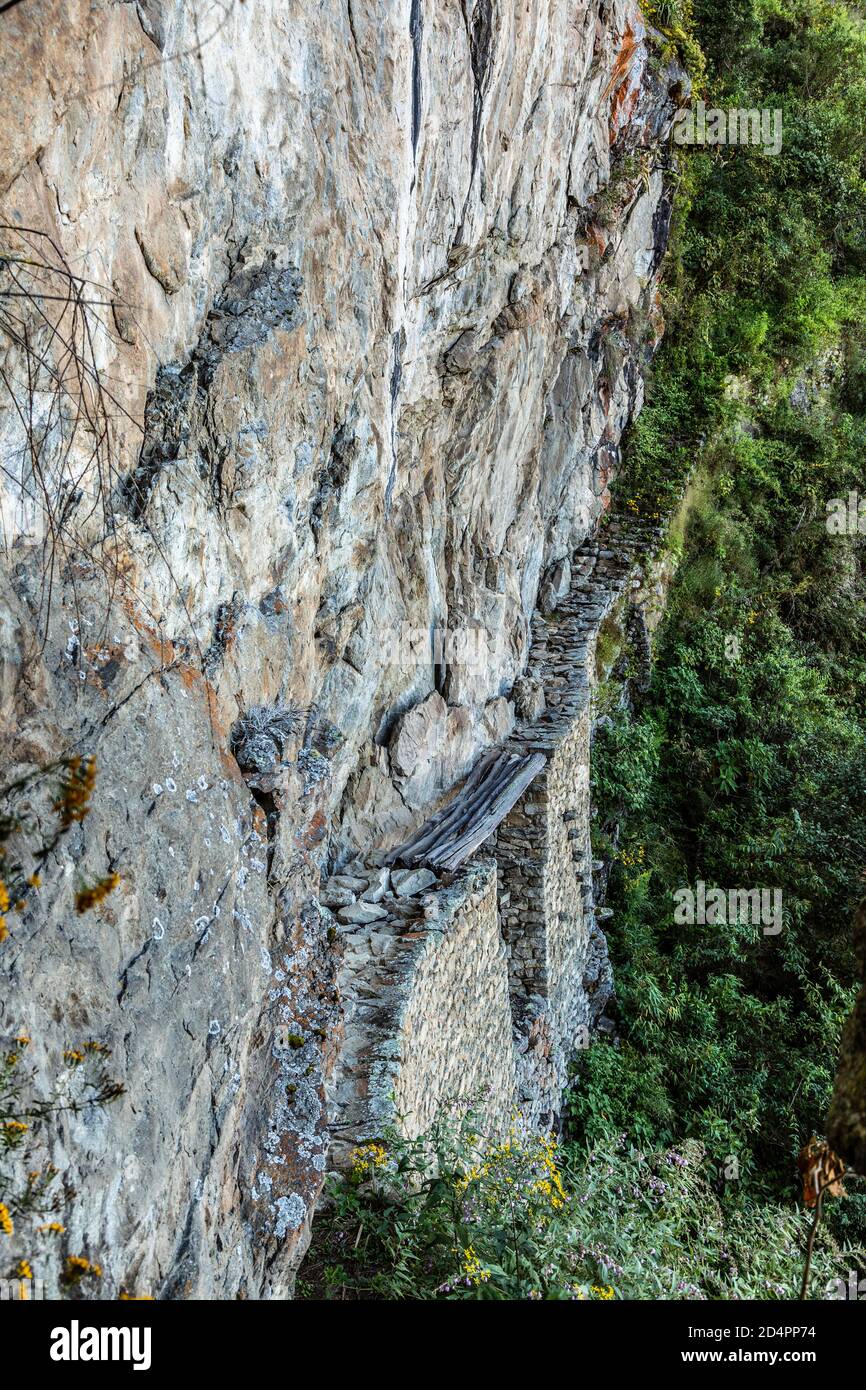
x=362 y=913
x=333 y=895
x=352 y=883
x=408 y=882
x=379 y=883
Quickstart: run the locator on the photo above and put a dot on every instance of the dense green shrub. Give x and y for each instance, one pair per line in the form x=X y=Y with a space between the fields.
x=744 y=765
x=441 y=1217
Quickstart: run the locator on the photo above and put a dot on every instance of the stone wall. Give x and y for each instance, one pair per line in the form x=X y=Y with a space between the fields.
x=500 y=977
x=426 y=1016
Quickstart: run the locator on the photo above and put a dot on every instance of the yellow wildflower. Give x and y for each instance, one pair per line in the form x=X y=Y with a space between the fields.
x=472 y=1267
x=367 y=1158
x=77 y=1267
x=76 y=791
x=86 y=898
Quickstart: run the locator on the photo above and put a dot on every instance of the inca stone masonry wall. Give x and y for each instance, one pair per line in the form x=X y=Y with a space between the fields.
x=488 y=986
x=426 y=1015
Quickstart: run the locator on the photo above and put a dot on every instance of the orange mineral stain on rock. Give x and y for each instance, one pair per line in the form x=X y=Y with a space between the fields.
x=624 y=83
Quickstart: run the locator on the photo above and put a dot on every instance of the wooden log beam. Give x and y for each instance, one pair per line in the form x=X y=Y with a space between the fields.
x=452 y=856
x=449 y=815
x=453 y=833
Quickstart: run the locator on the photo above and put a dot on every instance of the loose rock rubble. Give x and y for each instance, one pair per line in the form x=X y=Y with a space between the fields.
x=370 y=892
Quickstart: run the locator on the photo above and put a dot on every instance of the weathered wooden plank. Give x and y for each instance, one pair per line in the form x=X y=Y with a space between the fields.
x=449 y=815
x=494 y=785
x=453 y=855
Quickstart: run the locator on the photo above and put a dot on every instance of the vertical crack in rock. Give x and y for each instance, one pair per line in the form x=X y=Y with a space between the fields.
x=478 y=19
x=398 y=340
x=661 y=224
x=352 y=31
x=334 y=475
x=416 y=34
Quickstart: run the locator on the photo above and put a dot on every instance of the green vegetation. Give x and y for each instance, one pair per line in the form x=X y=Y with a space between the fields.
x=437 y=1217
x=744 y=767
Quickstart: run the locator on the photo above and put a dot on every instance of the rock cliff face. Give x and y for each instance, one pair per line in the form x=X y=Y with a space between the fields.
x=366 y=290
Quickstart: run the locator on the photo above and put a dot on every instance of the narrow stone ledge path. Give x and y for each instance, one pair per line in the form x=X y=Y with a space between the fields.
x=475 y=979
